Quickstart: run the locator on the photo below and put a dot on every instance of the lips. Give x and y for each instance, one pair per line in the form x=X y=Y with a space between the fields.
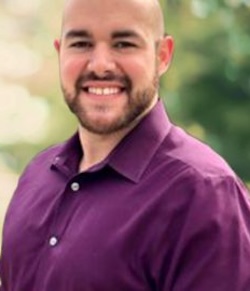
x=103 y=88
x=109 y=85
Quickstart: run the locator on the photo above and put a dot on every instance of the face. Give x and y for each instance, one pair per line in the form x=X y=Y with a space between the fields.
x=110 y=63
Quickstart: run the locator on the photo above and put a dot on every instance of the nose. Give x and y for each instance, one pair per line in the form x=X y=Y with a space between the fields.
x=101 y=61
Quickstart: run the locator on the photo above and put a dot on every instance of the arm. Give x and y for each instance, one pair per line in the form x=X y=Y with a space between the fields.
x=213 y=250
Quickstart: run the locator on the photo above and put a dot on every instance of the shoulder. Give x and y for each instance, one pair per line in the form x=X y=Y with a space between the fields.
x=192 y=170
x=199 y=185
x=45 y=158
x=40 y=165
x=193 y=156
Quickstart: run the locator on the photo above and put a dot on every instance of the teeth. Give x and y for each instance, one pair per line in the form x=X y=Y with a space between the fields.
x=103 y=91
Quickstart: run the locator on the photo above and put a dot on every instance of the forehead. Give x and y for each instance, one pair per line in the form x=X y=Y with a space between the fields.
x=106 y=15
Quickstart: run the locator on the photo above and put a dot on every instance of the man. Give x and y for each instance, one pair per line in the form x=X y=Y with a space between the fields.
x=130 y=202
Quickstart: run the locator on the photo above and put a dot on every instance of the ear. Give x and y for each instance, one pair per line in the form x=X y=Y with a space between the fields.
x=57 y=45
x=165 y=53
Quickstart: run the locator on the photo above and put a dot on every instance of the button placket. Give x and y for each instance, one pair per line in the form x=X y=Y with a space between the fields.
x=53 y=240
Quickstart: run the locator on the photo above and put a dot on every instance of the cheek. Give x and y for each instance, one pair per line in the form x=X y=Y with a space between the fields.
x=140 y=71
x=70 y=69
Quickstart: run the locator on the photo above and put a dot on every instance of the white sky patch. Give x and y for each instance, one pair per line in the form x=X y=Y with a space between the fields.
x=23 y=7
x=17 y=60
x=199 y=8
x=10 y=27
x=8 y=181
x=23 y=118
x=247 y=2
x=236 y=3
x=203 y=8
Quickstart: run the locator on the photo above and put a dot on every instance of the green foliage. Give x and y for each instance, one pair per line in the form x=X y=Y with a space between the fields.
x=209 y=81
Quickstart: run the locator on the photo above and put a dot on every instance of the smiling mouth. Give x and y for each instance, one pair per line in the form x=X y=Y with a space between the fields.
x=106 y=91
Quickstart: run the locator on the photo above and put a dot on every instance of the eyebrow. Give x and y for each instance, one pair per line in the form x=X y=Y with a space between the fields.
x=125 y=34
x=77 y=34
x=81 y=33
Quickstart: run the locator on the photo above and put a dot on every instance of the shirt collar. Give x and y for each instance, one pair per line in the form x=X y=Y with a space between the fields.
x=68 y=156
x=131 y=156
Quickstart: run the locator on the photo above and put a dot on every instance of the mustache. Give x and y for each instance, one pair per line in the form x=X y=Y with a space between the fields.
x=91 y=76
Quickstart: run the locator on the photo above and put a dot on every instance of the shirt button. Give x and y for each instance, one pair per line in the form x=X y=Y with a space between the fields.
x=75 y=187
x=53 y=241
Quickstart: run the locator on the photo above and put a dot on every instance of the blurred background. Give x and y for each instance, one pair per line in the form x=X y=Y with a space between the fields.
x=206 y=91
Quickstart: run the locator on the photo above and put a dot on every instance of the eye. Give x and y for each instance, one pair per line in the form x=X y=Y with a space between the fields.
x=81 y=44
x=124 y=44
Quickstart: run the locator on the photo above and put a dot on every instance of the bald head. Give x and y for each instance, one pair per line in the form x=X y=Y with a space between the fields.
x=155 y=14
x=148 y=11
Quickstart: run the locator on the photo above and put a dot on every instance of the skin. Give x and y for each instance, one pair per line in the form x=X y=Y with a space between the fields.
x=111 y=55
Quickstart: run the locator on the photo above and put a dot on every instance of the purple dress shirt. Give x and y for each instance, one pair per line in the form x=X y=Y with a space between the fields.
x=161 y=212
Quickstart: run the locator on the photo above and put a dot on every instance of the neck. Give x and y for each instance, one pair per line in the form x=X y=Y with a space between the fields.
x=97 y=147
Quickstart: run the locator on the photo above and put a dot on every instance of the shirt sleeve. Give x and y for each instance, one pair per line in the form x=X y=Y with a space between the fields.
x=213 y=249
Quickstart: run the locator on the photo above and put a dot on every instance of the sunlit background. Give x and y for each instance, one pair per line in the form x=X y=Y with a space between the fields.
x=31 y=115
x=207 y=90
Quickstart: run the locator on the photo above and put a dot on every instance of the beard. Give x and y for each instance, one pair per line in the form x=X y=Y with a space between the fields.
x=138 y=103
